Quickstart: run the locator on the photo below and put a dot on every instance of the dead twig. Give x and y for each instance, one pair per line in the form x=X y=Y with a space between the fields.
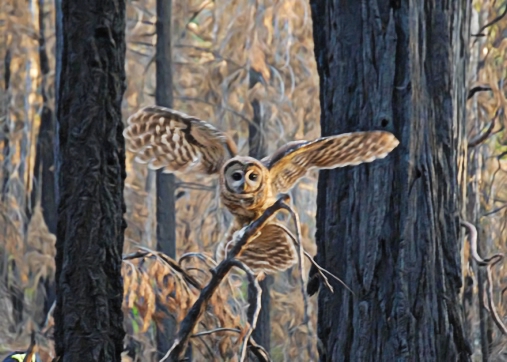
x=254 y=306
x=488 y=263
x=320 y=270
x=492 y=22
x=145 y=252
x=219 y=273
x=299 y=246
x=210 y=262
x=483 y=137
x=477 y=89
x=216 y=330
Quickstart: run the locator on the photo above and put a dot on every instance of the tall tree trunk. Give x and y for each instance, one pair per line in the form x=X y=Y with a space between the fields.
x=90 y=175
x=391 y=228
x=166 y=213
x=8 y=267
x=7 y=127
x=44 y=157
x=257 y=149
x=44 y=180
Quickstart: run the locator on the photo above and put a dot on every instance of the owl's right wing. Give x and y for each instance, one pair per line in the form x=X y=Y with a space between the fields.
x=292 y=161
x=179 y=143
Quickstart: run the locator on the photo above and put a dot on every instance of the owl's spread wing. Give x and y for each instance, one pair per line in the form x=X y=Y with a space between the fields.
x=271 y=251
x=165 y=138
x=292 y=161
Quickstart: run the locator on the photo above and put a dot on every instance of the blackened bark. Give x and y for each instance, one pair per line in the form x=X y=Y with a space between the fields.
x=257 y=149
x=90 y=176
x=166 y=213
x=16 y=293
x=391 y=229
x=166 y=221
x=44 y=180
x=44 y=158
x=7 y=152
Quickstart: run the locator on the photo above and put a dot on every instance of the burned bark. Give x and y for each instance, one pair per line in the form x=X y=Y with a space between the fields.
x=391 y=229
x=257 y=149
x=44 y=179
x=166 y=210
x=44 y=157
x=90 y=173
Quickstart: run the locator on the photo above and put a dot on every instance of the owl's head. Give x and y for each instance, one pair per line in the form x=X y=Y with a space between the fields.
x=244 y=175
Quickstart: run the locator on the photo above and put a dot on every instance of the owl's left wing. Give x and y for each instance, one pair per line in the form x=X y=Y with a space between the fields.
x=292 y=161
x=177 y=142
x=271 y=251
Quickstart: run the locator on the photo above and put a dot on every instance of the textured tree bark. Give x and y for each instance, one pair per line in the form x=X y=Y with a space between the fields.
x=44 y=179
x=90 y=176
x=166 y=213
x=391 y=229
x=257 y=149
x=44 y=157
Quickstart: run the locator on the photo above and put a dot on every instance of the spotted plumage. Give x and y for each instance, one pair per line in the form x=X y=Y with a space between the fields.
x=178 y=143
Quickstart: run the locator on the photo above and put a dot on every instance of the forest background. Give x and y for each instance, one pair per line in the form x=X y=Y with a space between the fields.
x=216 y=47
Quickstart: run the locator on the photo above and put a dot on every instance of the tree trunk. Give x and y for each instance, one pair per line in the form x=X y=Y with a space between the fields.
x=391 y=228
x=90 y=175
x=257 y=149
x=44 y=157
x=166 y=213
x=44 y=180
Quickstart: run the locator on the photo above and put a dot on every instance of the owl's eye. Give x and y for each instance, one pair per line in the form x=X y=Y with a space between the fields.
x=253 y=176
x=236 y=176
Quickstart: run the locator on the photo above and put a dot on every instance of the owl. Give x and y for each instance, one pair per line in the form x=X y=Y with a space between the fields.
x=181 y=144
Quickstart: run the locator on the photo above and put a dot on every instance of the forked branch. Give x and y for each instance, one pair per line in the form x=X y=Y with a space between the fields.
x=219 y=273
x=488 y=263
x=483 y=137
x=254 y=308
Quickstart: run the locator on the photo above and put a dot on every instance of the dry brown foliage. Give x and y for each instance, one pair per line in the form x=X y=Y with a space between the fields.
x=152 y=279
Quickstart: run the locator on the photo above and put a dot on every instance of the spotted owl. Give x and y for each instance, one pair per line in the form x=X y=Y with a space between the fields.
x=179 y=143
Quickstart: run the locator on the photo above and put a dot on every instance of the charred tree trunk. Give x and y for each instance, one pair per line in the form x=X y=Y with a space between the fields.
x=166 y=214
x=6 y=131
x=391 y=228
x=44 y=180
x=90 y=174
x=44 y=157
x=9 y=266
x=262 y=332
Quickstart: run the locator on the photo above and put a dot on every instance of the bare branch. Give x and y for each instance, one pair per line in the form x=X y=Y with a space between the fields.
x=483 y=137
x=492 y=22
x=254 y=307
x=494 y=211
x=320 y=269
x=219 y=273
x=145 y=252
x=488 y=263
x=299 y=246
x=477 y=89
x=204 y=258
x=216 y=330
